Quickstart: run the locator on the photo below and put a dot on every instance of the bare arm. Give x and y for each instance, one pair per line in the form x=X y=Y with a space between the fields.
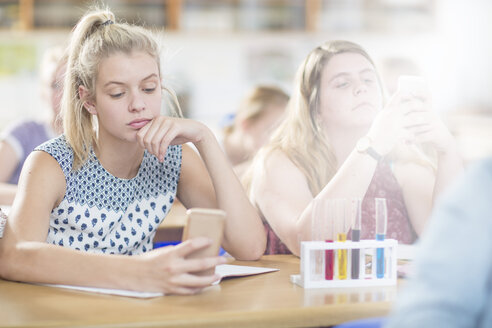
x=25 y=256
x=283 y=196
x=417 y=183
x=209 y=183
x=244 y=236
x=421 y=187
x=288 y=207
x=8 y=163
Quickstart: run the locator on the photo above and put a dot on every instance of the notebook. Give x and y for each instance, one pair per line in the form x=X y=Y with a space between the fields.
x=224 y=270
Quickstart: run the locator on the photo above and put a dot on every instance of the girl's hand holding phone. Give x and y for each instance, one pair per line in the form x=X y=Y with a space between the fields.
x=170 y=270
x=424 y=125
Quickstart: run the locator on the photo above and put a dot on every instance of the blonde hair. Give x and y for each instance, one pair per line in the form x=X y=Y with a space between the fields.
x=96 y=36
x=300 y=136
x=255 y=104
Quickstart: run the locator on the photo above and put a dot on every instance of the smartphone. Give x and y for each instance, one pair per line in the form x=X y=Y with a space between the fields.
x=414 y=86
x=205 y=222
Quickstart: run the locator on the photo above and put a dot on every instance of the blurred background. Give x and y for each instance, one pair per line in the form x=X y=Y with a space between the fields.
x=215 y=51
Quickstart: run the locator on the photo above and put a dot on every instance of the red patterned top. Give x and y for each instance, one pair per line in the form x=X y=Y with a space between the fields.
x=383 y=185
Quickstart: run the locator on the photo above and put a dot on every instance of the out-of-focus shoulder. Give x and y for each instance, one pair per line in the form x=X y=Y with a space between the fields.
x=277 y=158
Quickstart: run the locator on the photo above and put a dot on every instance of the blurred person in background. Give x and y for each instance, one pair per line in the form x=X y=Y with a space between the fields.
x=258 y=115
x=20 y=138
x=450 y=286
x=340 y=140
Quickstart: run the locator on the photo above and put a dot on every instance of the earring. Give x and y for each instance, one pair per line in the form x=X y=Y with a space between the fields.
x=90 y=108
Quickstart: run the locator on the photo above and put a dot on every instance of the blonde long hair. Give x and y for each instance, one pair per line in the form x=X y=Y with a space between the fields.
x=300 y=136
x=96 y=36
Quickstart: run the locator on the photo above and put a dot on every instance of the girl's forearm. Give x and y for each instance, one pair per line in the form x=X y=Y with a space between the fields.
x=38 y=262
x=351 y=181
x=244 y=236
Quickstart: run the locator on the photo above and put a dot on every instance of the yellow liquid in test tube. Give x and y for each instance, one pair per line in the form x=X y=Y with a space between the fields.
x=342 y=258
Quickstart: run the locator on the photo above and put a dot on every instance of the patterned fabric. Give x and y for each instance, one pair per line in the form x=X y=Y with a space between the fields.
x=101 y=213
x=383 y=185
x=23 y=137
x=274 y=244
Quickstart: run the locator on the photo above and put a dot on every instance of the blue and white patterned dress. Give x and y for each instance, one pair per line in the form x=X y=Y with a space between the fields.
x=101 y=213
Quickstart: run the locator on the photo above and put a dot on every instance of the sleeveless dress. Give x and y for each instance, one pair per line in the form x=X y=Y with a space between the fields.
x=383 y=185
x=101 y=213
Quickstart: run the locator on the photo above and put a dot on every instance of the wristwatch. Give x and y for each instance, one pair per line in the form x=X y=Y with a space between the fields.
x=364 y=146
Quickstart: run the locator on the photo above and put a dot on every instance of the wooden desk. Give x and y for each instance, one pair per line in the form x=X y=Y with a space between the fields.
x=267 y=300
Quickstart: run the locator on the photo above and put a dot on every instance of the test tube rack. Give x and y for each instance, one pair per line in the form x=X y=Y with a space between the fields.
x=313 y=264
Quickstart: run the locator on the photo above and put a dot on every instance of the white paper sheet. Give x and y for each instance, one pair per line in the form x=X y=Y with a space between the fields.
x=229 y=270
x=224 y=270
x=118 y=292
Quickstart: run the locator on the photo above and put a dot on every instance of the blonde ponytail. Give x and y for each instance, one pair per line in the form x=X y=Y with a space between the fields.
x=96 y=36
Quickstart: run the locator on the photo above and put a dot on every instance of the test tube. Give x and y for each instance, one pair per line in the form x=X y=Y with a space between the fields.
x=381 y=223
x=356 y=227
x=341 y=235
x=329 y=262
x=329 y=235
x=317 y=227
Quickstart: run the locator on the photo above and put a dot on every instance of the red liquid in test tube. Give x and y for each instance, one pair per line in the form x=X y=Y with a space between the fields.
x=329 y=263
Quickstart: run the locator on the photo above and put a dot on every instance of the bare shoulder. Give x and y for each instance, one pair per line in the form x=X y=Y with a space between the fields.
x=43 y=177
x=41 y=188
x=279 y=165
x=40 y=161
x=6 y=149
x=280 y=175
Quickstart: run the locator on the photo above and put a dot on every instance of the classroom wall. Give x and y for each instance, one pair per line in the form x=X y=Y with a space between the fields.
x=213 y=71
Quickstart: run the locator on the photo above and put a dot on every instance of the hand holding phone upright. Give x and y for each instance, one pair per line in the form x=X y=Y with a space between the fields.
x=209 y=223
x=424 y=126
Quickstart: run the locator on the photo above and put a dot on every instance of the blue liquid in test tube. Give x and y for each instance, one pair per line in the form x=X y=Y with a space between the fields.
x=380 y=258
x=381 y=224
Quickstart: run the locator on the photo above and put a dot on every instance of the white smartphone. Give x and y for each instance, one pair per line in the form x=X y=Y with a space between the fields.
x=205 y=222
x=414 y=86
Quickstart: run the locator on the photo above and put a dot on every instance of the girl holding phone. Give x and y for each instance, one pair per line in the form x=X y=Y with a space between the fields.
x=96 y=194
